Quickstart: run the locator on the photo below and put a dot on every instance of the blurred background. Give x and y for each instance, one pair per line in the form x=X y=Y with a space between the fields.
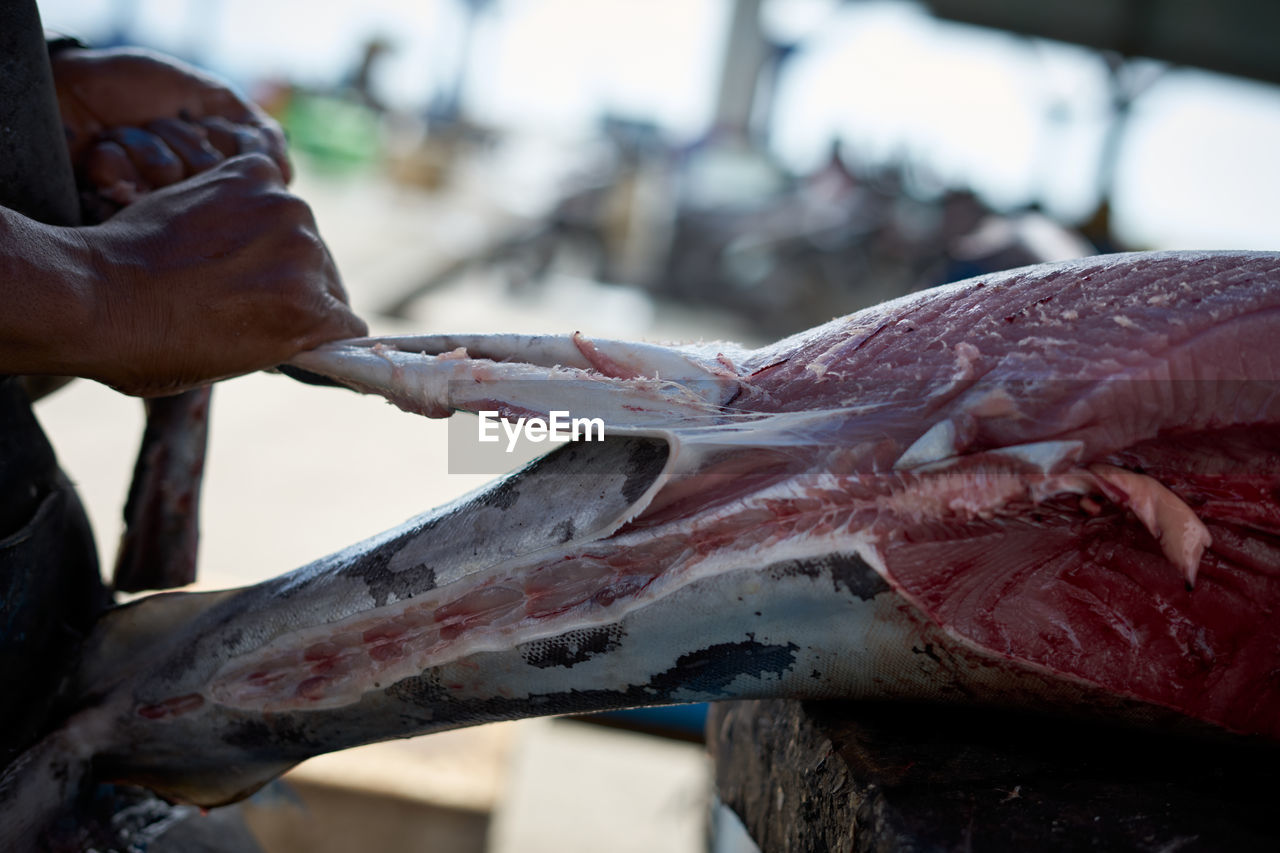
x=666 y=170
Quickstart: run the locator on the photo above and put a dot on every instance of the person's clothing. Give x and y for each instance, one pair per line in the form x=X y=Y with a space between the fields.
x=50 y=588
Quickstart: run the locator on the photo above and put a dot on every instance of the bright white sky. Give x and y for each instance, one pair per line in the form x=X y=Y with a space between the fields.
x=1016 y=119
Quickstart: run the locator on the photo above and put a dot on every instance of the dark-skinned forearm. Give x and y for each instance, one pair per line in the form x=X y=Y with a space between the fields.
x=47 y=286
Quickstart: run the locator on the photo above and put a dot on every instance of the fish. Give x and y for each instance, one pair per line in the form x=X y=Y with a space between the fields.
x=1056 y=487
x=162 y=535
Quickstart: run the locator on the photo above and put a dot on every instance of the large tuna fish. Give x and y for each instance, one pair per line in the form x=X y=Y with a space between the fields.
x=1057 y=486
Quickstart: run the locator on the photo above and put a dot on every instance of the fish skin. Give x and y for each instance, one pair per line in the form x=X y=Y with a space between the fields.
x=812 y=611
x=161 y=537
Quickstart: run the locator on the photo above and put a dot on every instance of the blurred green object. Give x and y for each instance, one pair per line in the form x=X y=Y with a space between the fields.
x=334 y=133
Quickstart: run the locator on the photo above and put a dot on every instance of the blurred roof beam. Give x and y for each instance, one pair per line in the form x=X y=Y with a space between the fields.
x=1229 y=36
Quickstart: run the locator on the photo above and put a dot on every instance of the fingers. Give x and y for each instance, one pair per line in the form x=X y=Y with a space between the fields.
x=261 y=169
x=313 y=304
x=127 y=161
x=120 y=93
x=110 y=171
x=339 y=323
x=155 y=161
x=276 y=147
x=232 y=138
x=222 y=135
x=189 y=142
x=318 y=284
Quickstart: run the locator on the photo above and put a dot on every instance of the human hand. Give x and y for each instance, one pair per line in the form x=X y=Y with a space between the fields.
x=218 y=275
x=137 y=121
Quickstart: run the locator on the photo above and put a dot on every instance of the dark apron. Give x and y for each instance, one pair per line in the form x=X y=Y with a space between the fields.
x=50 y=589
